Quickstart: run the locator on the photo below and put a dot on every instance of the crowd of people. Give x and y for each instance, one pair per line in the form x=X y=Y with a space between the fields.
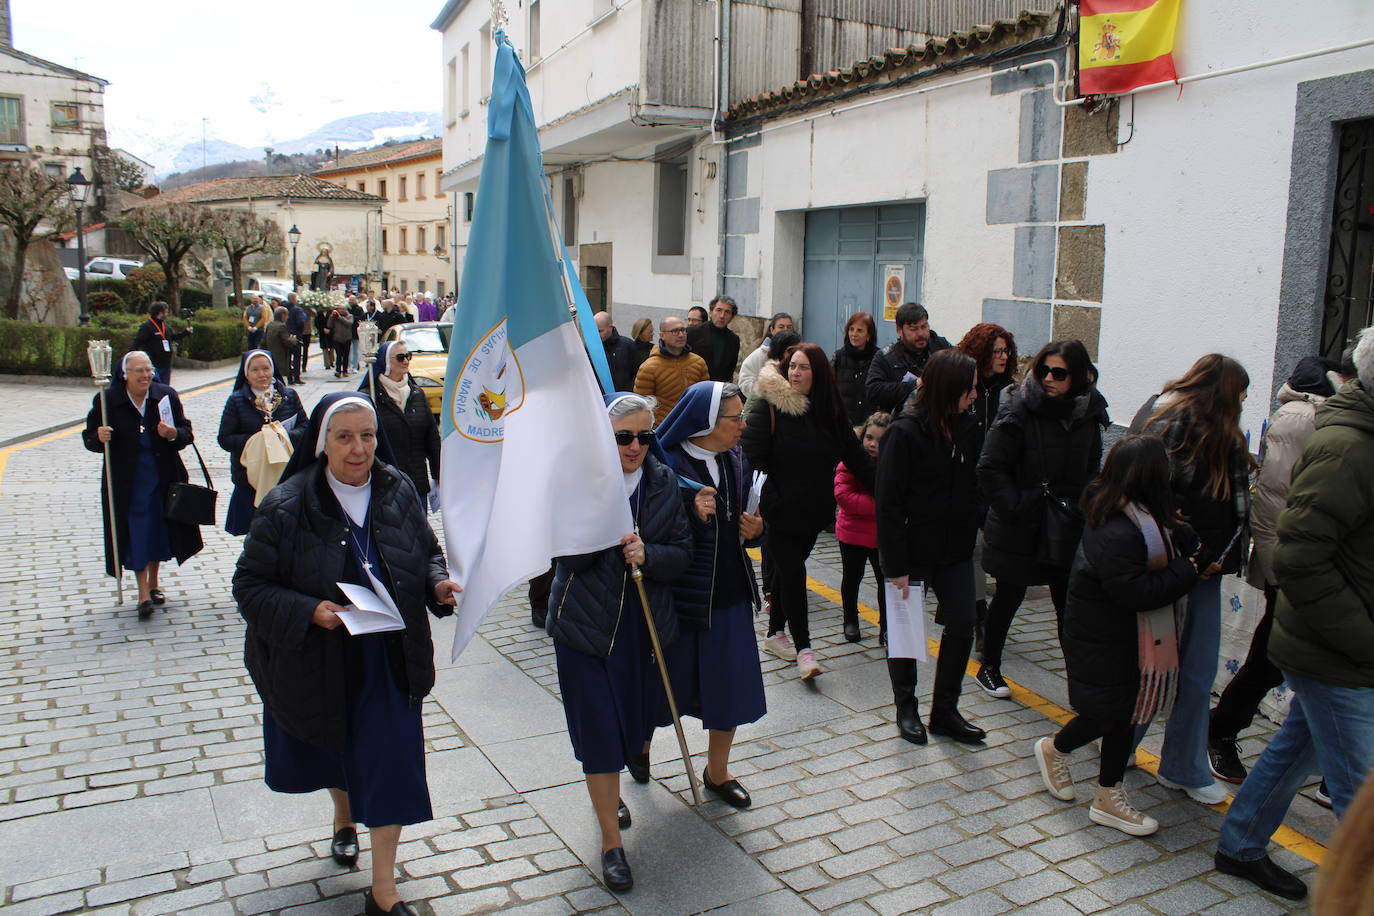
x=938 y=466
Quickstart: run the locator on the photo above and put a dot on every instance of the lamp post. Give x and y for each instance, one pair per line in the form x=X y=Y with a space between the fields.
x=294 y=235
x=79 y=188
x=367 y=340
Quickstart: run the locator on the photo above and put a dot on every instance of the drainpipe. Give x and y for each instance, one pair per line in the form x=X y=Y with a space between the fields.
x=722 y=105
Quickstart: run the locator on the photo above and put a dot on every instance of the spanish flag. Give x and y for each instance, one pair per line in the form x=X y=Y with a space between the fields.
x=1125 y=44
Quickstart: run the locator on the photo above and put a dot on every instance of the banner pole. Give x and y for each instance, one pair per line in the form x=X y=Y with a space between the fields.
x=667 y=685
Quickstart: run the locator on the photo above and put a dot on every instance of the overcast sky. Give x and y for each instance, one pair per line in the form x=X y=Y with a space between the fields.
x=259 y=70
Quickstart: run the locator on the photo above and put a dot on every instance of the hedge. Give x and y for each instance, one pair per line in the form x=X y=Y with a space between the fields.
x=27 y=348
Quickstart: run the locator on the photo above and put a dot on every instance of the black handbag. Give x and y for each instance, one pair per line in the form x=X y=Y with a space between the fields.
x=190 y=503
x=1061 y=522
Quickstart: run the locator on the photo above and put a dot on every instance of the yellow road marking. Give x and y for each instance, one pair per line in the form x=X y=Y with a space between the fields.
x=1287 y=837
x=5 y=453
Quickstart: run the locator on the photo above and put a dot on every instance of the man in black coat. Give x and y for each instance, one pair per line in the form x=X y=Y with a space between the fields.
x=715 y=342
x=893 y=373
x=298 y=323
x=155 y=337
x=620 y=353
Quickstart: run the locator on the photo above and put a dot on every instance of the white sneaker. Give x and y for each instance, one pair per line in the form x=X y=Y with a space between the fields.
x=1112 y=809
x=1213 y=794
x=778 y=644
x=806 y=664
x=1054 y=770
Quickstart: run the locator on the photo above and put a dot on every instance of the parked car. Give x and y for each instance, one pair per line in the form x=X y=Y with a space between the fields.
x=111 y=268
x=428 y=341
x=72 y=273
x=277 y=289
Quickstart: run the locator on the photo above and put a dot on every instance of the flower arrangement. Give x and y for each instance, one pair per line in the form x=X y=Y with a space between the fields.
x=322 y=299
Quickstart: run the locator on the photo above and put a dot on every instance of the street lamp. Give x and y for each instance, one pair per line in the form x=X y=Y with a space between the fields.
x=294 y=235
x=367 y=342
x=79 y=188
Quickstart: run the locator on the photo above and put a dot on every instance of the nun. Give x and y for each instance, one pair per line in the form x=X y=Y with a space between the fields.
x=611 y=687
x=342 y=711
x=714 y=665
x=259 y=395
x=403 y=411
x=144 y=461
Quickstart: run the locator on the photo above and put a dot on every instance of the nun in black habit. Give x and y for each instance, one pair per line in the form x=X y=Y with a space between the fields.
x=259 y=384
x=144 y=462
x=342 y=711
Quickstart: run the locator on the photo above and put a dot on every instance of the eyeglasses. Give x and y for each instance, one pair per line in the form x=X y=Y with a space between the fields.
x=1000 y=351
x=674 y=330
x=401 y=357
x=624 y=437
x=737 y=417
x=1058 y=373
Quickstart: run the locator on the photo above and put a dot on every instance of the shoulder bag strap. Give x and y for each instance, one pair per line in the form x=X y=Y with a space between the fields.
x=203 y=469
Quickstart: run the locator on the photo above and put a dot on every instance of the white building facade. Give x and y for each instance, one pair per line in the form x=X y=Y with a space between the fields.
x=1229 y=214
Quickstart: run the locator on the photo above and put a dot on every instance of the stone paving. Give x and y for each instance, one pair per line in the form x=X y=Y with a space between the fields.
x=131 y=763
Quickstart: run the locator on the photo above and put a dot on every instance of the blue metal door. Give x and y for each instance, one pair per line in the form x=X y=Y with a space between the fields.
x=850 y=253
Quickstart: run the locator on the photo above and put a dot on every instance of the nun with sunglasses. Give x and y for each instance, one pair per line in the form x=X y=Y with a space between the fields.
x=404 y=414
x=259 y=397
x=342 y=709
x=611 y=688
x=714 y=665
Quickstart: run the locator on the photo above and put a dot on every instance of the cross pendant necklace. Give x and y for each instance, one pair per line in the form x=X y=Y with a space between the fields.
x=362 y=548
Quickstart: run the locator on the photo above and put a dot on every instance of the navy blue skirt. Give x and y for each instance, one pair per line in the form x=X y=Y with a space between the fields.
x=383 y=769
x=148 y=538
x=239 y=518
x=611 y=703
x=715 y=673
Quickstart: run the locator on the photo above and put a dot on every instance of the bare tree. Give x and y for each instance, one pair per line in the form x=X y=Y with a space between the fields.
x=239 y=233
x=128 y=176
x=29 y=199
x=168 y=232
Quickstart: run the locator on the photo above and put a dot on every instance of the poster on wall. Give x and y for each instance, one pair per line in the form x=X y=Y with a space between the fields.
x=894 y=289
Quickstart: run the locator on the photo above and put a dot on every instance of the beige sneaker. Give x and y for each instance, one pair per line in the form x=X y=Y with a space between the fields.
x=1054 y=770
x=1112 y=809
x=807 y=666
x=778 y=644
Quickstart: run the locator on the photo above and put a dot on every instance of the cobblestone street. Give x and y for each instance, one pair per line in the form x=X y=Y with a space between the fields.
x=131 y=762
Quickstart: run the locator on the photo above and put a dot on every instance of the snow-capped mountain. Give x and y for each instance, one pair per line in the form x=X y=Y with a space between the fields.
x=181 y=152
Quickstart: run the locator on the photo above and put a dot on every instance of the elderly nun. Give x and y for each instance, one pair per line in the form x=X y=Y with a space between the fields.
x=259 y=394
x=144 y=461
x=611 y=687
x=341 y=711
x=714 y=665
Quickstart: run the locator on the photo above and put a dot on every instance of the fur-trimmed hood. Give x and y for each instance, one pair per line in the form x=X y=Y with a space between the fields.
x=776 y=390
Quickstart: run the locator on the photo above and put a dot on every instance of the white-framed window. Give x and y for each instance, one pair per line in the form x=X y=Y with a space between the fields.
x=11 y=120
x=533 y=23
x=452 y=103
x=420 y=239
x=465 y=81
x=419 y=185
x=671 y=200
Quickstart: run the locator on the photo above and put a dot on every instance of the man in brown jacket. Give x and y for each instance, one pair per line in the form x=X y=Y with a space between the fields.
x=671 y=368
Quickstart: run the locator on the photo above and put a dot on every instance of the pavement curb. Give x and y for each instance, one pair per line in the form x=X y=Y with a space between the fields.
x=68 y=424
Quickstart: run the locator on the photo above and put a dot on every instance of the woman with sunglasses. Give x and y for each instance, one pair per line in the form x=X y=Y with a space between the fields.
x=610 y=685
x=404 y=415
x=1045 y=443
x=715 y=663
x=927 y=506
x=1198 y=417
x=797 y=433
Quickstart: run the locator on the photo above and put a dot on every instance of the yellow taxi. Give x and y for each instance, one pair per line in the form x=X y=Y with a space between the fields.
x=428 y=343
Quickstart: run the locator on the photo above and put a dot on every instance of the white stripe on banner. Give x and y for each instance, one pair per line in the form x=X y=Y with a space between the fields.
x=511 y=505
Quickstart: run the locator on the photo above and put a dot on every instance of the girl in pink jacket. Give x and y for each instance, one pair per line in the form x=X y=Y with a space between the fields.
x=856 y=528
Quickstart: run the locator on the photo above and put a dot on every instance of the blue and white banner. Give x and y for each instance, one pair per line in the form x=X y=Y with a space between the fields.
x=529 y=469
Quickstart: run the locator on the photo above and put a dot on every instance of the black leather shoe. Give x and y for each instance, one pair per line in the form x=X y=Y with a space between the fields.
x=370 y=907
x=851 y=630
x=1224 y=758
x=145 y=610
x=622 y=815
x=344 y=848
x=730 y=791
x=1264 y=873
x=615 y=870
x=949 y=723
x=158 y=596
x=638 y=765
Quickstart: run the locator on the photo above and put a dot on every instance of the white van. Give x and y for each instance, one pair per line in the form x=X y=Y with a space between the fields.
x=111 y=268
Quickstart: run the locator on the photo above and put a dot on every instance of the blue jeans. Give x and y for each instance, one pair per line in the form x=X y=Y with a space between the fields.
x=1184 y=758
x=353 y=352
x=1329 y=729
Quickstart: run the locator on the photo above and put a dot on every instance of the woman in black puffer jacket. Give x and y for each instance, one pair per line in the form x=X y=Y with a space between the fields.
x=1047 y=435
x=342 y=711
x=403 y=410
x=797 y=433
x=850 y=363
x=611 y=689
